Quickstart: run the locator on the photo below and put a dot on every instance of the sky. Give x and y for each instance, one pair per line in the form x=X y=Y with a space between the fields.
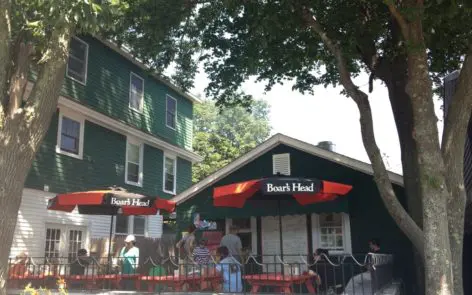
x=328 y=115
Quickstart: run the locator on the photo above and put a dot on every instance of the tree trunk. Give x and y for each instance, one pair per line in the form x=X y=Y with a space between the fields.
x=21 y=135
x=453 y=145
x=394 y=75
x=438 y=274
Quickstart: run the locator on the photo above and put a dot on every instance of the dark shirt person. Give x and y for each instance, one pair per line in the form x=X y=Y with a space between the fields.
x=80 y=264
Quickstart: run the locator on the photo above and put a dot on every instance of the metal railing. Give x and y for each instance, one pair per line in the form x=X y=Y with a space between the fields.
x=338 y=274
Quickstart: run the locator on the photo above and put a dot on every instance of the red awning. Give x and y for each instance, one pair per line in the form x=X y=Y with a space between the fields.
x=94 y=200
x=235 y=195
x=163 y=204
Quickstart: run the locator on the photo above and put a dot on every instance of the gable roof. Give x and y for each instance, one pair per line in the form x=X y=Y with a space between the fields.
x=270 y=144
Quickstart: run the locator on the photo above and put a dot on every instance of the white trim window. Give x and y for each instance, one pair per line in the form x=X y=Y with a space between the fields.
x=64 y=241
x=136 y=92
x=169 y=175
x=70 y=134
x=134 y=162
x=77 y=63
x=171 y=112
x=333 y=232
x=131 y=225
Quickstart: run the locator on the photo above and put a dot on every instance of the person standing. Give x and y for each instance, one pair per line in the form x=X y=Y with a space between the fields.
x=185 y=246
x=233 y=243
x=129 y=257
x=201 y=253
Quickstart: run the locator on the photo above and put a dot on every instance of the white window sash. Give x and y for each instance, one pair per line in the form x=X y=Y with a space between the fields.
x=174 y=173
x=85 y=64
x=135 y=94
x=140 y=164
x=173 y=113
x=130 y=229
x=81 y=120
x=346 y=232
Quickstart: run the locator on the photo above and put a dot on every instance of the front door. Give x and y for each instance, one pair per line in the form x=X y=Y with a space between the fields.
x=63 y=241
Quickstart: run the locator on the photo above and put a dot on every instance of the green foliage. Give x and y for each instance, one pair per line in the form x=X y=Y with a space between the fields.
x=36 y=19
x=271 y=40
x=222 y=136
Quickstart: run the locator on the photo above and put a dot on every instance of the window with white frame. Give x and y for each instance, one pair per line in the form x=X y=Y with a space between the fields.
x=127 y=225
x=136 y=92
x=70 y=135
x=78 y=59
x=170 y=166
x=134 y=162
x=64 y=241
x=332 y=233
x=171 y=111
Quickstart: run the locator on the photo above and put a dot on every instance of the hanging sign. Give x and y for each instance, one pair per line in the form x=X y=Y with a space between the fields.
x=280 y=186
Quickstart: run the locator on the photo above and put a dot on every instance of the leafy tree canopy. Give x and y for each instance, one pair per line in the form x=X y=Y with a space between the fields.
x=222 y=136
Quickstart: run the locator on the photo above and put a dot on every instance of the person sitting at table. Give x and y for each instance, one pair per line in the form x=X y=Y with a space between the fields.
x=129 y=258
x=320 y=268
x=201 y=253
x=230 y=269
x=18 y=266
x=78 y=266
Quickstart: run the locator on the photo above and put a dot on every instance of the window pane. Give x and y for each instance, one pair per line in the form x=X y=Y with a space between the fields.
x=169 y=184
x=77 y=49
x=70 y=135
x=139 y=225
x=121 y=224
x=135 y=101
x=76 y=65
x=136 y=84
x=169 y=174
x=136 y=92
x=170 y=120
x=133 y=153
x=133 y=172
x=170 y=105
x=170 y=112
x=169 y=166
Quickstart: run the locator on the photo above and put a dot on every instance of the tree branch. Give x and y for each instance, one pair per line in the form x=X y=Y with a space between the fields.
x=400 y=20
x=5 y=37
x=394 y=207
x=39 y=108
x=20 y=76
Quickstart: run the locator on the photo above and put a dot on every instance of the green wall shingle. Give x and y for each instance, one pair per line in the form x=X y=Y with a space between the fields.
x=107 y=91
x=103 y=164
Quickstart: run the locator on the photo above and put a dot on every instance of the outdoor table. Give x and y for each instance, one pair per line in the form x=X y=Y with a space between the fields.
x=177 y=282
x=283 y=283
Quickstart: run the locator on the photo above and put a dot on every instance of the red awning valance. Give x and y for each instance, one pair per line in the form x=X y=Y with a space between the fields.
x=235 y=195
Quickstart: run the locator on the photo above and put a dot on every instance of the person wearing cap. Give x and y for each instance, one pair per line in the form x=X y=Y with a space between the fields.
x=129 y=257
x=201 y=253
x=233 y=243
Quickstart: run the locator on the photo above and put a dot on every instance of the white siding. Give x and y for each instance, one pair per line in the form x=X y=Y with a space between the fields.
x=33 y=216
x=155 y=226
x=294 y=235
